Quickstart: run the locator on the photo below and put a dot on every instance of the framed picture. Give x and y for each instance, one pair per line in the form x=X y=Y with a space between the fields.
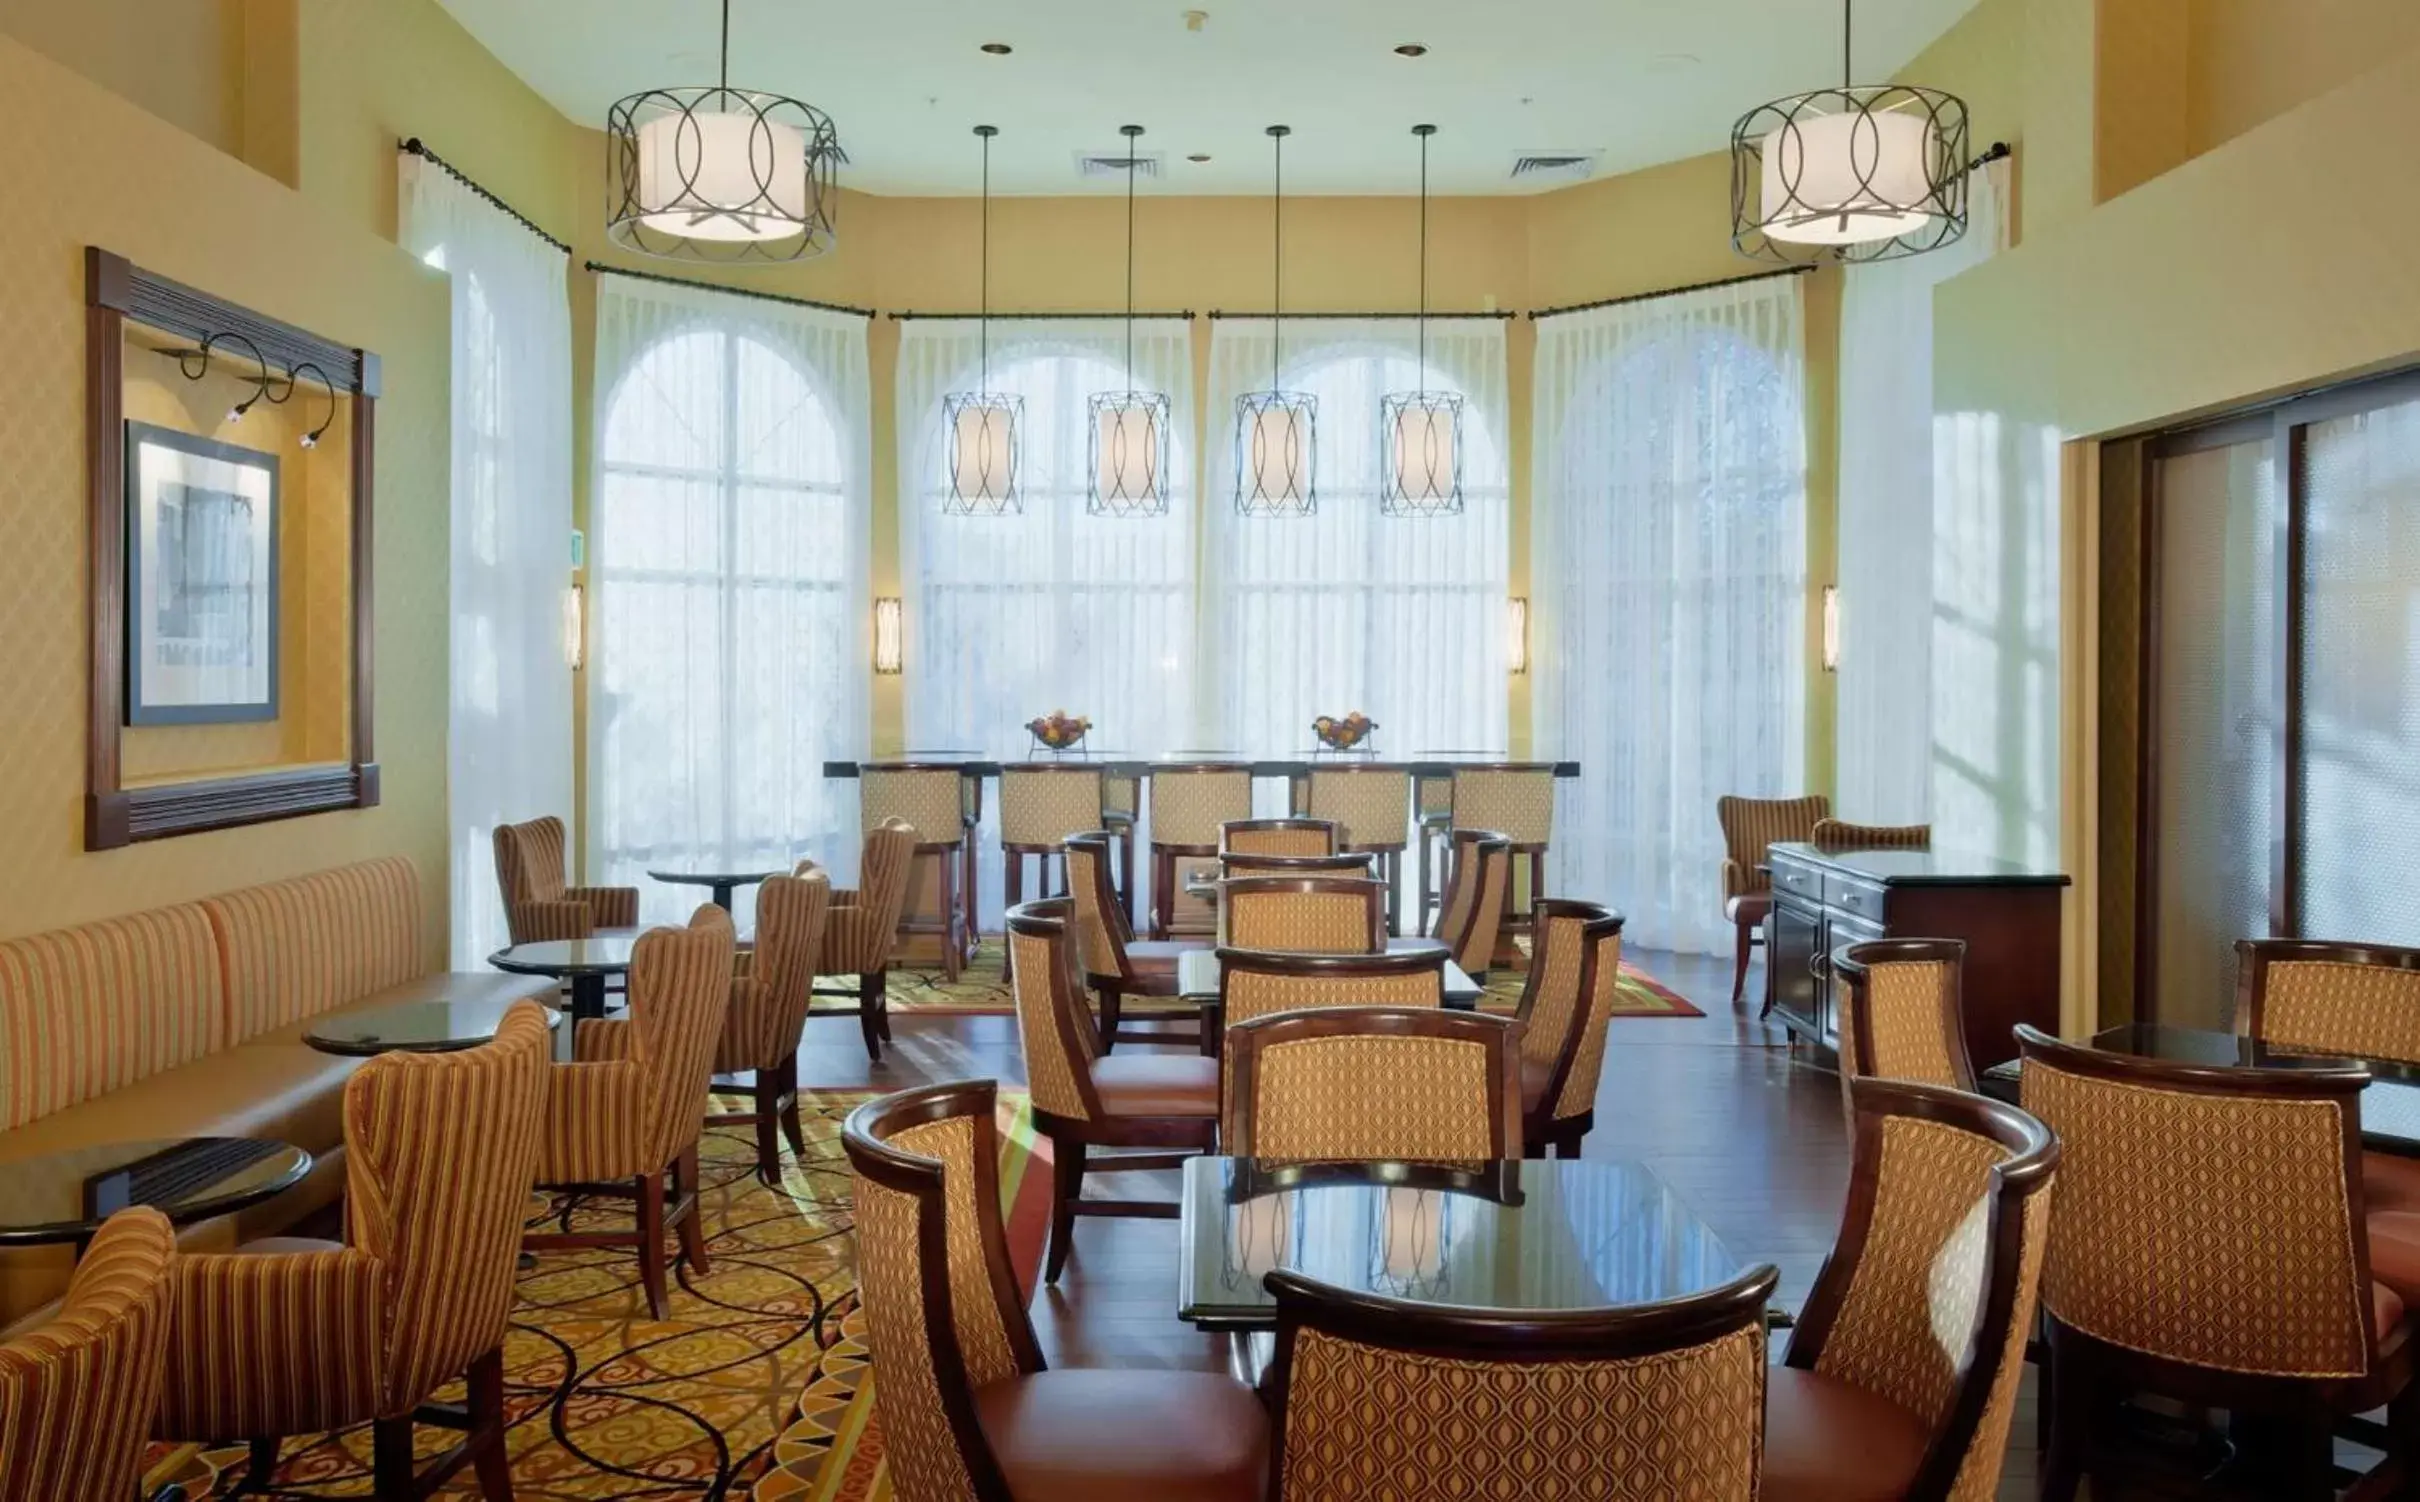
x=201 y=580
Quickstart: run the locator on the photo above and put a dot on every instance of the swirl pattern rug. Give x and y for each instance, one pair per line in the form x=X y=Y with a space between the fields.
x=608 y=1403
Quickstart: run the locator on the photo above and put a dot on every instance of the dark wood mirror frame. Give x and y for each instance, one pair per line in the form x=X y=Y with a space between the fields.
x=117 y=291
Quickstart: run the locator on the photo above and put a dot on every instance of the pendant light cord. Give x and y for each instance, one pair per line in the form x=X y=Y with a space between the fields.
x=726 y=75
x=1130 y=148
x=984 y=324
x=1424 y=263
x=1848 y=57
x=1277 y=238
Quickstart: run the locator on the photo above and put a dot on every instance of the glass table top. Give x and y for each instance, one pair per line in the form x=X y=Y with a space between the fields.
x=1523 y=1235
x=64 y=1196
x=412 y=1027
x=602 y=953
x=715 y=878
x=1197 y=973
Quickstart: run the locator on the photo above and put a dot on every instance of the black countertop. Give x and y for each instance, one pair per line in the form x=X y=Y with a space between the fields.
x=1921 y=868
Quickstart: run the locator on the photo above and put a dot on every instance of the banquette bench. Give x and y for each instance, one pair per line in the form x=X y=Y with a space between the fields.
x=189 y=1021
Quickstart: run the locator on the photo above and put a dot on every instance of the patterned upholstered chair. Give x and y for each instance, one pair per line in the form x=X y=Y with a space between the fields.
x=1232 y=865
x=936 y=800
x=861 y=929
x=1373 y=1084
x=1042 y=806
x=1516 y=799
x=537 y=905
x=1646 y=1401
x=1900 y=1018
x=1081 y=1097
x=1575 y=975
x=2208 y=1247
x=1190 y=802
x=1303 y=914
x=967 y=1409
x=1114 y=964
x=769 y=1005
x=1277 y=837
x=2358 y=1000
x=78 y=1393
x=1838 y=834
x=1121 y=809
x=1255 y=983
x=1433 y=813
x=1902 y=1372
x=1750 y=826
x=293 y=1337
x=1478 y=889
x=630 y=1107
x=1371 y=806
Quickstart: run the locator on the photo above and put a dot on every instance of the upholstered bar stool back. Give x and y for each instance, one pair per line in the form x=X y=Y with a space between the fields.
x=1042 y=805
x=1121 y=810
x=1304 y=914
x=1371 y=807
x=939 y=801
x=1517 y=800
x=1189 y=803
x=1278 y=837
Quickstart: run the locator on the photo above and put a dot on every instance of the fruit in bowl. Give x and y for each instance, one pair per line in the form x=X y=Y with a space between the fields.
x=1344 y=734
x=1058 y=729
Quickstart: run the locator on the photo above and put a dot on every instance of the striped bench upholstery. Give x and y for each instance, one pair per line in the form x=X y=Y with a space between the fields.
x=294 y=949
x=91 y=1009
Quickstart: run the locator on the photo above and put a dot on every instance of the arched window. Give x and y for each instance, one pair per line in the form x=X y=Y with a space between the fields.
x=728 y=566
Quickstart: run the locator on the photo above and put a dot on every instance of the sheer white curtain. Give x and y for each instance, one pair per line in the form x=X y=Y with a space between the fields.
x=1669 y=564
x=1010 y=617
x=1885 y=734
x=729 y=553
x=508 y=729
x=1399 y=617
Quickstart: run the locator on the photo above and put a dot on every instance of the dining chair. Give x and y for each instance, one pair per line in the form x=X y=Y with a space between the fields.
x=1042 y=805
x=1902 y=1372
x=1373 y=1084
x=1575 y=977
x=1750 y=826
x=299 y=1337
x=1515 y=799
x=769 y=1006
x=1085 y=1098
x=1232 y=865
x=1116 y=966
x=1298 y=836
x=628 y=1110
x=968 y=1409
x=943 y=806
x=537 y=905
x=2208 y=1246
x=2356 y=1000
x=861 y=930
x=1370 y=806
x=1304 y=914
x=78 y=1393
x=1478 y=889
x=1254 y=983
x=1371 y=1397
x=1190 y=804
x=1900 y=1015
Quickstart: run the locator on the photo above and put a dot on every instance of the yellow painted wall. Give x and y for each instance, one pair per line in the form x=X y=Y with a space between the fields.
x=182 y=60
x=113 y=175
x=2249 y=61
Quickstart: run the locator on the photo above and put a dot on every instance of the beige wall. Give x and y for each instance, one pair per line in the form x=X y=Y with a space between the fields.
x=183 y=60
x=2249 y=61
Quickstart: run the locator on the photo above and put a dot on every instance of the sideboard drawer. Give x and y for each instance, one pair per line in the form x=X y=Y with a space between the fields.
x=1854 y=897
x=1789 y=877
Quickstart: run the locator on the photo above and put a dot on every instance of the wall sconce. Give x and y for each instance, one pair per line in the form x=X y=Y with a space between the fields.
x=575 y=627
x=1516 y=634
x=1831 y=628
x=888 y=653
x=194 y=364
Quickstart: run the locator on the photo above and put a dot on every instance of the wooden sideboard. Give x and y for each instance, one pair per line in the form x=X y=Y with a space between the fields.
x=2007 y=913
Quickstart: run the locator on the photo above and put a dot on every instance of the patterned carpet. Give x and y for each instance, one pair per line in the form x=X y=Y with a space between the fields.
x=607 y=1403
x=980 y=992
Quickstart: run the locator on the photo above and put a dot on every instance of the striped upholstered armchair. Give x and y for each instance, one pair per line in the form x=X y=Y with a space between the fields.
x=77 y=1395
x=861 y=928
x=537 y=905
x=301 y=1337
x=769 y=1005
x=629 y=1108
x=1750 y=827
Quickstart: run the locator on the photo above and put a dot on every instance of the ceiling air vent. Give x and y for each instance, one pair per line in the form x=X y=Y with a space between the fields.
x=1554 y=166
x=1114 y=163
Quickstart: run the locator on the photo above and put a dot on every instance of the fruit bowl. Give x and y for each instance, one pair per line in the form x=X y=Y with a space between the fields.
x=1345 y=734
x=1058 y=730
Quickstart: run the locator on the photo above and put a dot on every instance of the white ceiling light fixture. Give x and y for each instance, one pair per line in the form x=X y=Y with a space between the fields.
x=1129 y=427
x=732 y=176
x=1420 y=431
x=1276 y=430
x=983 y=427
x=1855 y=173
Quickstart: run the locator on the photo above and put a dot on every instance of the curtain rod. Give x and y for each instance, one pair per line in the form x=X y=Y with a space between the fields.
x=1615 y=302
x=1406 y=316
x=420 y=149
x=601 y=269
x=922 y=314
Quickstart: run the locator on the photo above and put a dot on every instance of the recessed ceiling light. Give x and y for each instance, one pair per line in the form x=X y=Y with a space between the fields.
x=1411 y=49
x=1198 y=156
x=998 y=49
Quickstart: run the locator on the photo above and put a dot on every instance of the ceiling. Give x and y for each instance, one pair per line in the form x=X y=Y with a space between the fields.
x=1639 y=81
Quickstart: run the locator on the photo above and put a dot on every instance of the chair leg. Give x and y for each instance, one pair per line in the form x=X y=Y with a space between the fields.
x=869 y=996
x=391 y=1461
x=486 y=1394
x=969 y=892
x=651 y=1243
x=2310 y=1457
x=2070 y=1425
x=263 y=1468
x=1126 y=873
x=951 y=956
x=1163 y=892
x=768 y=1143
x=789 y=1108
x=2403 y=1440
x=1741 y=943
x=1067 y=1184
x=693 y=1220
x=1012 y=892
x=1110 y=1000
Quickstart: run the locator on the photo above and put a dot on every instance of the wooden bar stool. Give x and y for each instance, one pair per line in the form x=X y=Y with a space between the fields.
x=1371 y=807
x=1433 y=821
x=1121 y=809
x=933 y=797
x=1190 y=801
x=1042 y=805
x=1517 y=800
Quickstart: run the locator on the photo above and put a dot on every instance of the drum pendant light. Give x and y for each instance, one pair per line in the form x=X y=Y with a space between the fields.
x=1420 y=431
x=983 y=427
x=1854 y=173
x=1129 y=427
x=1276 y=429
x=731 y=176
